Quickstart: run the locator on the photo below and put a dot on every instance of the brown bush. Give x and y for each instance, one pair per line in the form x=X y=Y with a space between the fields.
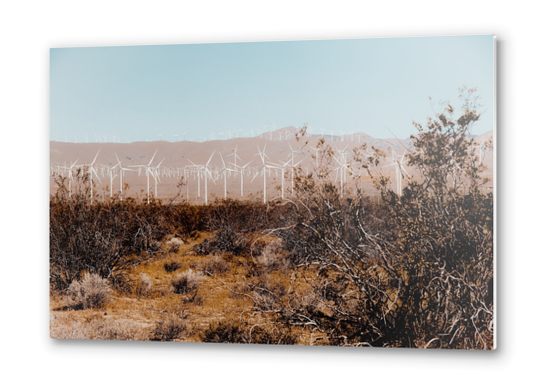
x=186 y=282
x=144 y=287
x=106 y=238
x=236 y=331
x=91 y=292
x=172 y=266
x=415 y=270
x=170 y=327
x=216 y=265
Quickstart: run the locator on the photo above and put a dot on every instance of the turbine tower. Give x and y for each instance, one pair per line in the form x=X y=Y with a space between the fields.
x=147 y=172
x=399 y=169
x=343 y=166
x=224 y=171
x=264 y=167
x=70 y=177
x=92 y=170
x=121 y=173
x=206 y=172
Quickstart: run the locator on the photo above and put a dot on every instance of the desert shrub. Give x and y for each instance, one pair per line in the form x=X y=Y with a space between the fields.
x=187 y=219
x=170 y=327
x=415 y=270
x=144 y=287
x=216 y=265
x=107 y=238
x=96 y=328
x=186 y=282
x=233 y=222
x=272 y=257
x=237 y=331
x=232 y=331
x=91 y=292
x=276 y=335
x=172 y=266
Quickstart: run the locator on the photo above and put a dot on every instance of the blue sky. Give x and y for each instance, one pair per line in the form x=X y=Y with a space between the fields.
x=137 y=93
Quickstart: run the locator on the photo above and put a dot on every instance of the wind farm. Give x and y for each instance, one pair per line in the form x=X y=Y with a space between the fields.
x=274 y=193
x=265 y=165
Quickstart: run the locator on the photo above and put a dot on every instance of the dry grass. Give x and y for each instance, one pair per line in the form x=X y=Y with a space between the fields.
x=152 y=310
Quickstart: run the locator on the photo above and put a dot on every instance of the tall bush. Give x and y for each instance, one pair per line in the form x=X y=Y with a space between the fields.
x=415 y=270
x=106 y=238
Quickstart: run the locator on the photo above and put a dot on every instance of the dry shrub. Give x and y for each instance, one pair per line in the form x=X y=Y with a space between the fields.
x=273 y=258
x=96 y=327
x=91 y=292
x=107 y=238
x=172 y=266
x=414 y=270
x=186 y=282
x=216 y=265
x=233 y=222
x=231 y=331
x=236 y=331
x=170 y=327
x=144 y=287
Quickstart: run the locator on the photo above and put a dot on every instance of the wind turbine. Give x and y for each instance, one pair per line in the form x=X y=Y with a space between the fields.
x=235 y=157
x=92 y=170
x=242 y=170
x=283 y=169
x=155 y=174
x=317 y=159
x=343 y=166
x=292 y=158
x=264 y=167
x=206 y=172
x=112 y=175
x=121 y=173
x=147 y=172
x=70 y=177
x=224 y=171
x=399 y=168
x=480 y=147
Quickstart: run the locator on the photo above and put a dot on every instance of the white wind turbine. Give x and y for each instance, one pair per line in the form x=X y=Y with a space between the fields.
x=206 y=172
x=317 y=155
x=92 y=170
x=70 y=177
x=264 y=167
x=156 y=176
x=147 y=172
x=292 y=159
x=242 y=170
x=399 y=169
x=480 y=148
x=224 y=171
x=283 y=169
x=121 y=173
x=235 y=157
x=343 y=166
x=112 y=175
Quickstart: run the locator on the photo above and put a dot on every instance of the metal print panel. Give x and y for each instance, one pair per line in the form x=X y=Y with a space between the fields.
x=330 y=193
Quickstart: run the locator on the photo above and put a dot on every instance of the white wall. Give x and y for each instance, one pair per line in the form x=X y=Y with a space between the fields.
x=28 y=29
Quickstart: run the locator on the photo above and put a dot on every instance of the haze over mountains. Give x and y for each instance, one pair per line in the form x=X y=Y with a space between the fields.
x=278 y=146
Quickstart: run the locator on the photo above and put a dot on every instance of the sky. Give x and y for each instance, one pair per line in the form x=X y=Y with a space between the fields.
x=213 y=91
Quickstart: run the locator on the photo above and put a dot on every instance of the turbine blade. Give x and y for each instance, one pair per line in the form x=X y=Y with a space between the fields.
x=152 y=157
x=96 y=156
x=210 y=157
